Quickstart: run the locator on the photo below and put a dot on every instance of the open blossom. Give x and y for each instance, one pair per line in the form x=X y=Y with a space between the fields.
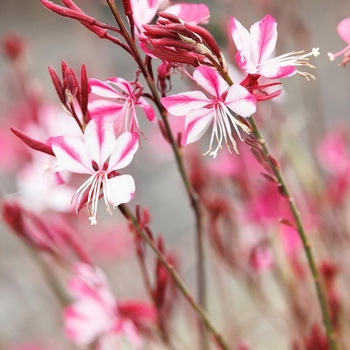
x=256 y=47
x=344 y=32
x=201 y=111
x=123 y=109
x=145 y=10
x=99 y=155
x=94 y=315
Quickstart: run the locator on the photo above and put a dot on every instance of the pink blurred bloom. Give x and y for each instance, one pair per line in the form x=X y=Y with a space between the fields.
x=334 y=152
x=201 y=111
x=145 y=10
x=344 y=32
x=123 y=110
x=190 y=13
x=255 y=48
x=40 y=188
x=261 y=258
x=100 y=155
x=334 y=156
x=94 y=315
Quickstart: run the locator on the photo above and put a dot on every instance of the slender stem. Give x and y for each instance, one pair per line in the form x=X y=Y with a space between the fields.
x=51 y=279
x=193 y=197
x=176 y=278
x=303 y=236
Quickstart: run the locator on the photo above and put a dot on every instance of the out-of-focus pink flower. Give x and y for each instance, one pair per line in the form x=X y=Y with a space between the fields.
x=94 y=316
x=334 y=156
x=291 y=242
x=110 y=243
x=201 y=111
x=145 y=10
x=256 y=47
x=334 y=152
x=344 y=32
x=123 y=110
x=43 y=233
x=40 y=188
x=190 y=13
x=262 y=258
x=90 y=157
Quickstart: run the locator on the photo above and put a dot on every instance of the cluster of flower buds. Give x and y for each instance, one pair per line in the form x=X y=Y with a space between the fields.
x=173 y=40
x=71 y=94
x=56 y=239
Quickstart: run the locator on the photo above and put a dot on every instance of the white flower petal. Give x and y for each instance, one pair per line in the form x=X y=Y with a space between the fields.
x=121 y=189
x=99 y=139
x=210 y=80
x=240 y=100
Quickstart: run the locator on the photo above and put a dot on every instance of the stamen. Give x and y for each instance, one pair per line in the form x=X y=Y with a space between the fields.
x=332 y=56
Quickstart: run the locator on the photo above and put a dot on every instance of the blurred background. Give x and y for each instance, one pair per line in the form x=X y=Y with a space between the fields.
x=28 y=310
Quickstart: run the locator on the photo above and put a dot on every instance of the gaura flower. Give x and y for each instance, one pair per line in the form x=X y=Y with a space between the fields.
x=219 y=109
x=99 y=155
x=96 y=317
x=256 y=47
x=343 y=30
x=145 y=10
x=123 y=109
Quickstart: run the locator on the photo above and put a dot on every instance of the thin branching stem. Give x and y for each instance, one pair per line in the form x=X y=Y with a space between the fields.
x=302 y=234
x=321 y=296
x=176 y=278
x=193 y=197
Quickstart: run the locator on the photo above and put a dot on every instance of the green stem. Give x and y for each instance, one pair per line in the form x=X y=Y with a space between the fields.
x=302 y=234
x=176 y=278
x=192 y=195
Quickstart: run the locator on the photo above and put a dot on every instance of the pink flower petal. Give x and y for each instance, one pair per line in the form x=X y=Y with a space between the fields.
x=240 y=100
x=190 y=13
x=99 y=139
x=210 y=80
x=122 y=189
x=273 y=71
x=263 y=39
x=344 y=30
x=124 y=151
x=121 y=84
x=196 y=124
x=181 y=104
x=148 y=109
x=100 y=88
x=85 y=320
x=105 y=108
x=72 y=154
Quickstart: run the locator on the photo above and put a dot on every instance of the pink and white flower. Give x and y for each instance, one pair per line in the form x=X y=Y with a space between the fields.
x=256 y=47
x=145 y=10
x=94 y=314
x=100 y=155
x=219 y=109
x=123 y=109
x=343 y=30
